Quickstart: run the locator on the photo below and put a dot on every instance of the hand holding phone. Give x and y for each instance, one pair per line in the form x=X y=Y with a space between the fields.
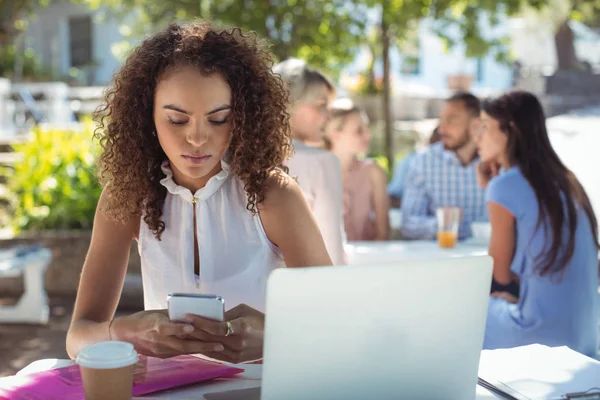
x=206 y=306
x=154 y=335
x=242 y=334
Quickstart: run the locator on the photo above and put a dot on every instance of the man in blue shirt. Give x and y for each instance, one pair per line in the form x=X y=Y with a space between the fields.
x=446 y=174
x=396 y=185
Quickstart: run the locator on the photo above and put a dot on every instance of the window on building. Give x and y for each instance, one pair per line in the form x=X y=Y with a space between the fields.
x=480 y=68
x=411 y=65
x=80 y=38
x=410 y=49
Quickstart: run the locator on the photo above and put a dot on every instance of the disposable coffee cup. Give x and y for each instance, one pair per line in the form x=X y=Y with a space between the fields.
x=107 y=370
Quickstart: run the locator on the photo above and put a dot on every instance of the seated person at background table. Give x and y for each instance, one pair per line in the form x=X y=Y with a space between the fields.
x=446 y=174
x=193 y=130
x=366 y=204
x=398 y=181
x=317 y=171
x=544 y=232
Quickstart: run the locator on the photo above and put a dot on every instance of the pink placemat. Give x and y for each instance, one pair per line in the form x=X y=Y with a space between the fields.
x=150 y=375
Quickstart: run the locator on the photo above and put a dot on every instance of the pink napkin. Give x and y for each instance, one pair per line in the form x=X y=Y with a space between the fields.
x=150 y=375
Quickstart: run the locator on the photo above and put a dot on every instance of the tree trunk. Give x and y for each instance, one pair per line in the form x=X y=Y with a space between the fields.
x=387 y=111
x=565 y=47
x=370 y=84
x=6 y=38
x=10 y=11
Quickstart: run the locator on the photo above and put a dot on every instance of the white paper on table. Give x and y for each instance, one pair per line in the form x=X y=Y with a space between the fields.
x=539 y=372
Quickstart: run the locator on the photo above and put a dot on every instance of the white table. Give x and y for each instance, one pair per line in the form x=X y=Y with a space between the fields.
x=249 y=379
x=404 y=250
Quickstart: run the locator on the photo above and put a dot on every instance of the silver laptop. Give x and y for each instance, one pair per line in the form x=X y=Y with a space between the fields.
x=411 y=330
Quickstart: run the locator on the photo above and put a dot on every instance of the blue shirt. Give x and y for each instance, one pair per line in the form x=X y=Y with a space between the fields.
x=437 y=178
x=396 y=186
x=557 y=309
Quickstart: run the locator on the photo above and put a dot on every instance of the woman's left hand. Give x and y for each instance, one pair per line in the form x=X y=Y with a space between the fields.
x=241 y=333
x=485 y=172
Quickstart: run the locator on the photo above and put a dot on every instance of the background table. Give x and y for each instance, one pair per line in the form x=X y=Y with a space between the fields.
x=404 y=250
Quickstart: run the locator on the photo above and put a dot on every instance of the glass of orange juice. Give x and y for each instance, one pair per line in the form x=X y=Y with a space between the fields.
x=448 y=221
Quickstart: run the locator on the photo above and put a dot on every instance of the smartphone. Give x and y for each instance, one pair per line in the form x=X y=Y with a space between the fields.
x=205 y=305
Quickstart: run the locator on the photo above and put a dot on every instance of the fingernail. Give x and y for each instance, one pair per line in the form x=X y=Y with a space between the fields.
x=219 y=347
x=188 y=329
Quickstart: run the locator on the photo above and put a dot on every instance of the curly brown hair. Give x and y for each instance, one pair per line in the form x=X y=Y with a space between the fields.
x=130 y=164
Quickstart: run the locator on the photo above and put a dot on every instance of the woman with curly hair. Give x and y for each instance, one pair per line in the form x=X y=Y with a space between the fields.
x=194 y=131
x=317 y=170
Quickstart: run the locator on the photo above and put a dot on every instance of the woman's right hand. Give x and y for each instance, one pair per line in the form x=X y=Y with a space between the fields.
x=153 y=334
x=505 y=296
x=486 y=171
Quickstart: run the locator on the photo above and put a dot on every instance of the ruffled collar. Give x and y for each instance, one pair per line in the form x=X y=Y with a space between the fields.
x=204 y=193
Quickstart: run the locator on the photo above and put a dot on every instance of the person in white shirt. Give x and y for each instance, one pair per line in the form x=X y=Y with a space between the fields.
x=193 y=131
x=317 y=171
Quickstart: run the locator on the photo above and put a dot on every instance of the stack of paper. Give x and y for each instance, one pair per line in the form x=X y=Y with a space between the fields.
x=538 y=372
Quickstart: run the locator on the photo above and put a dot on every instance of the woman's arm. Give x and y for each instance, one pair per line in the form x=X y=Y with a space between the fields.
x=290 y=225
x=101 y=280
x=99 y=291
x=502 y=242
x=381 y=203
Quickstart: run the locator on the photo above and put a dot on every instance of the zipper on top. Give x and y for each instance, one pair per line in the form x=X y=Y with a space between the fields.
x=196 y=265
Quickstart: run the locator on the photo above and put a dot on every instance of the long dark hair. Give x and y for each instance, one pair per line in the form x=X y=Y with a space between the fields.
x=521 y=118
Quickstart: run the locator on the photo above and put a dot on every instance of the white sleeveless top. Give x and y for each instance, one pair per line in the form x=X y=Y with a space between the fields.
x=236 y=257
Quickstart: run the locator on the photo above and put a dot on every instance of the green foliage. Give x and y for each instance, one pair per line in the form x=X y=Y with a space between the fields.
x=326 y=32
x=382 y=161
x=13 y=17
x=55 y=186
x=465 y=17
x=323 y=32
x=32 y=67
x=587 y=12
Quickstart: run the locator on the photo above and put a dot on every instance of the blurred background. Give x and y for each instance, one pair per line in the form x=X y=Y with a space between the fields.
x=399 y=59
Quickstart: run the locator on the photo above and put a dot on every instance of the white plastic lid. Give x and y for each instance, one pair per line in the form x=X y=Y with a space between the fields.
x=107 y=355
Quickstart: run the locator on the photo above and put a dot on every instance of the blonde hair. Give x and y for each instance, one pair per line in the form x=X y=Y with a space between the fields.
x=302 y=80
x=339 y=111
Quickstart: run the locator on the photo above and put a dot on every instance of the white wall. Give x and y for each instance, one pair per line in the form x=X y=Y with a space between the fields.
x=105 y=34
x=533 y=43
x=438 y=64
x=48 y=35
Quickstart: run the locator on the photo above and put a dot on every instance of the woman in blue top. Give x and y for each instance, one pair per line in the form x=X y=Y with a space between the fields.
x=544 y=233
